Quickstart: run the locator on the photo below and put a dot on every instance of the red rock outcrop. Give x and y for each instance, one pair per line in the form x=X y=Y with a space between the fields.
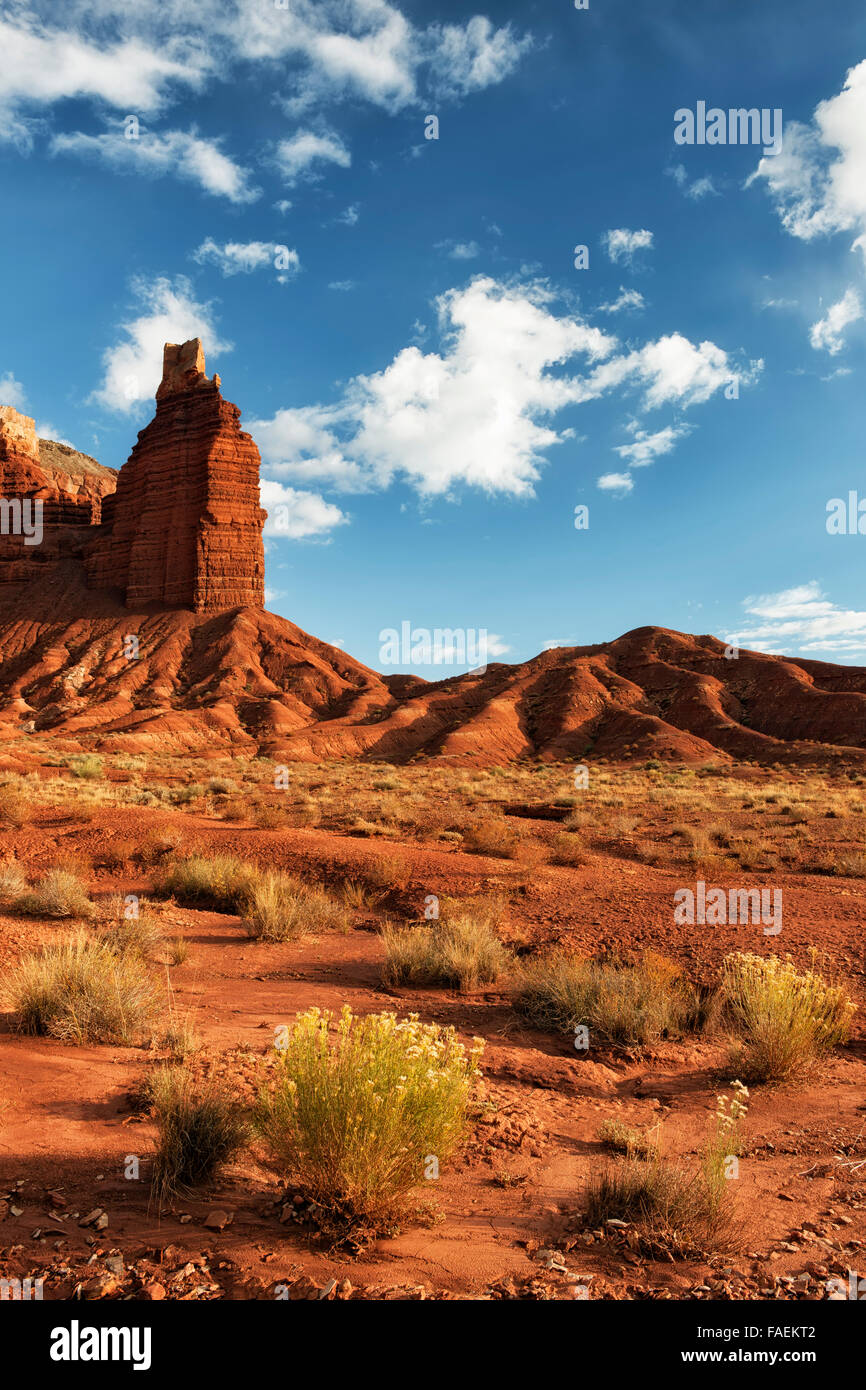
x=184 y=529
x=69 y=488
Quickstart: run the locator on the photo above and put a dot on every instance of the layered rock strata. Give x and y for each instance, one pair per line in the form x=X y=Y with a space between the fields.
x=184 y=529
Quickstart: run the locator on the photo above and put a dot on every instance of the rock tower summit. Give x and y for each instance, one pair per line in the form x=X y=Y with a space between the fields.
x=184 y=528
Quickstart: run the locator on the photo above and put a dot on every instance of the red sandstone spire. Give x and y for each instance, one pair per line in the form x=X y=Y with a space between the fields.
x=185 y=527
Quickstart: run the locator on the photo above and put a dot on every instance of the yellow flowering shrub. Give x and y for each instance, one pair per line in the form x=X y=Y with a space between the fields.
x=786 y=1020
x=363 y=1109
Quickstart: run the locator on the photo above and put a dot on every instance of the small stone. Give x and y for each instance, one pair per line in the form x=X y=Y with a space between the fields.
x=100 y=1287
x=153 y=1292
x=217 y=1220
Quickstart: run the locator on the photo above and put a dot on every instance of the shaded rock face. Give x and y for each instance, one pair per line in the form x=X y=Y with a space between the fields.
x=68 y=487
x=184 y=529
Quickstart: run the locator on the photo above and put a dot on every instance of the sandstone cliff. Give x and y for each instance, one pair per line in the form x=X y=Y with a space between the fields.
x=68 y=486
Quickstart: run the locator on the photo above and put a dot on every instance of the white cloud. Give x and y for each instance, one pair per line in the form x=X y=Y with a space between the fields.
x=801 y=619
x=459 y=250
x=818 y=182
x=170 y=314
x=243 y=257
x=647 y=447
x=465 y=58
x=42 y=65
x=184 y=154
x=342 y=285
x=827 y=332
x=615 y=482
x=12 y=392
x=621 y=244
x=779 y=304
x=297 y=157
x=297 y=515
x=625 y=300
x=673 y=371
x=45 y=430
x=314 y=52
x=350 y=216
x=479 y=412
x=702 y=188
x=698 y=188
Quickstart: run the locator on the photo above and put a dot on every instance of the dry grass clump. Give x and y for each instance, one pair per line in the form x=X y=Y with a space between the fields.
x=627 y=1004
x=566 y=849
x=158 y=844
x=13 y=880
x=625 y=1139
x=87 y=766
x=59 y=893
x=493 y=836
x=678 y=1211
x=130 y=929
x=359 y=1114
x=82 y=991
x=269 y=815
x=786 y=1020
x=15 y=806
x=280 y=907
x=220 y=881
x=200 y=1129
x=462 y=950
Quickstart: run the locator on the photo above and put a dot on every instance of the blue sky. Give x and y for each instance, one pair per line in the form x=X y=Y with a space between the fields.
x=432 y=383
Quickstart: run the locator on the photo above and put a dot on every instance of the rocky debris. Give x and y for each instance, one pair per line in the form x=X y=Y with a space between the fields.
x=184 y=529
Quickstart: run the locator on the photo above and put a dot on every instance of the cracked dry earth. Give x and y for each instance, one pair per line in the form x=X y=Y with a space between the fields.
x=505 y=1217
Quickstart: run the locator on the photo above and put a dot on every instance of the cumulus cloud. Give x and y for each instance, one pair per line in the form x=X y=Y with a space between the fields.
x=300 y=156
x=818 y=181
x=169 y=314
x=243 y=257
x=297 y=515
x=828 y=332
x=479 y=412
x=184 y=154
x=464 y=58
x=621 y=244
x=801 y=619
x=616 y=482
